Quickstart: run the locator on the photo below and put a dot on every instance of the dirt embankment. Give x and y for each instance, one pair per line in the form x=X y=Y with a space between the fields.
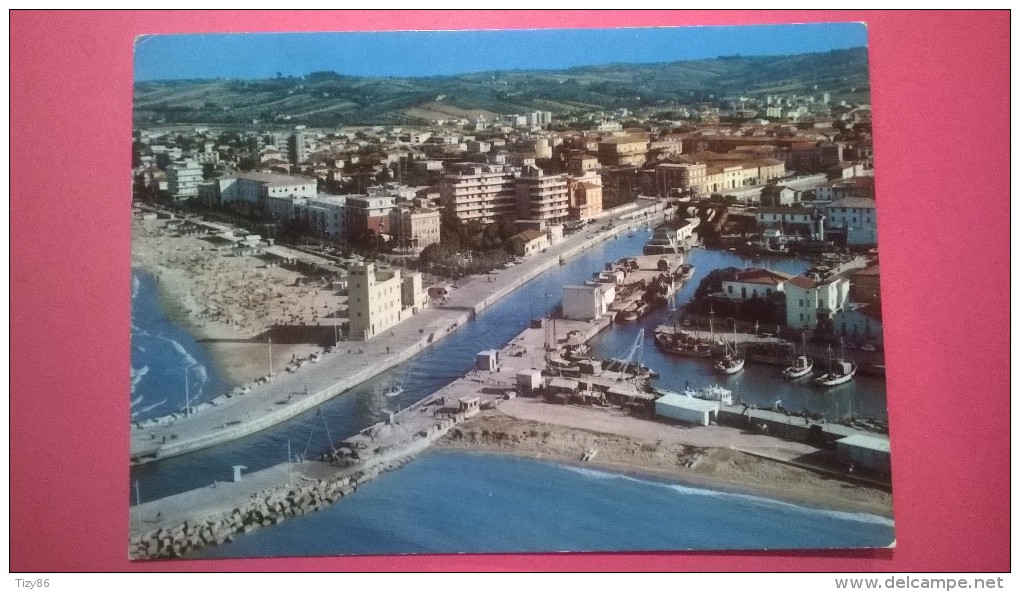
x=718 y=468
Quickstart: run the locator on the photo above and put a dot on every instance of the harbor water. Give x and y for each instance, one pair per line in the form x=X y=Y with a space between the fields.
x=375 y=519
x=760 y=384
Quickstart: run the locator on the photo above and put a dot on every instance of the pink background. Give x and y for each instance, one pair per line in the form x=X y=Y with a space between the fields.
x=941 y=115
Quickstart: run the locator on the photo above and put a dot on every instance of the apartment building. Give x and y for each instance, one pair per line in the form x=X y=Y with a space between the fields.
x=585 y=196
x=378 y=299
x=415 y=228
x=183 y=178
x=541 y=196
x=481 y=192
x=324 y=214
x=367 y=212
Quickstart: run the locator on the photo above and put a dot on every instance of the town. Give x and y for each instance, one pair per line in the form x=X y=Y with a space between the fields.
x=351 y=249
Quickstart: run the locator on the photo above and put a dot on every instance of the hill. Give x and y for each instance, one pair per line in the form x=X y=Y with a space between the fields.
x=328 y=98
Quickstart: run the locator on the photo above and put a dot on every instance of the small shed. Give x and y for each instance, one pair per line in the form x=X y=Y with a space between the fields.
x=487 y=360
x=687 y=409
x=529 y=381
x=562 y=385
x=468 y=406
x=868 y=451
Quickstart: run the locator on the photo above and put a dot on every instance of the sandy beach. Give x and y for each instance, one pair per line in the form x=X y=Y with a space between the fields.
x=233 y=305
x=710 y=456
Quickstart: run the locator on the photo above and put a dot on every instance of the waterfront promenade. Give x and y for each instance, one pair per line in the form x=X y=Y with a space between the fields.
x=287 y=394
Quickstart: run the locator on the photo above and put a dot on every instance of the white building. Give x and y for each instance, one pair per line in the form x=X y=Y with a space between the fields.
x=480 y=192
x=859 y=323
x=256 y=188
x=754 y=283
x=183 y=178
x=586 y=303
x=809 y=300
x=857 y=216
x=541 y=196
x=378 y=299
x=324 y=214
x=687 y=409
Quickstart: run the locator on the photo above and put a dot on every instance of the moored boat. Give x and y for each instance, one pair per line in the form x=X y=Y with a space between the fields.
x=711 y=393
x=802 y=365
x=732 y=362
x=839 y=371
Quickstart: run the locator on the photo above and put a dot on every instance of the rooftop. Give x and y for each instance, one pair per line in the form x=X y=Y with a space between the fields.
x=271 y=179
x=761 y=276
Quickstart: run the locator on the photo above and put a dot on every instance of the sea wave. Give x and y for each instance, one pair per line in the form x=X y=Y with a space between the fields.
x=685 y=490
x=149 y=408
x=136 y=284
x=187 y=357
x=136 y=377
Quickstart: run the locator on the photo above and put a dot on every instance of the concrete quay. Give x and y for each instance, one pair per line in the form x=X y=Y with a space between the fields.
x=283 y=395
x=176 y=525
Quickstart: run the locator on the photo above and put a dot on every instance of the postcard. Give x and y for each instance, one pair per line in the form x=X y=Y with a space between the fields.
x=530 y=291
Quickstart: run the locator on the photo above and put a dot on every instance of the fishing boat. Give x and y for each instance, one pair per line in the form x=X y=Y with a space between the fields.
x=711 y=393
x=801 y=365
x=839 y=372
x=732 y=362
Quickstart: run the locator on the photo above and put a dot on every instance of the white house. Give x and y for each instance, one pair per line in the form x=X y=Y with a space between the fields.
x=808 y=299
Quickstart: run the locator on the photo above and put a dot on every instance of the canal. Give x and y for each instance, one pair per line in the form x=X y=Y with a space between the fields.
x=314 y=431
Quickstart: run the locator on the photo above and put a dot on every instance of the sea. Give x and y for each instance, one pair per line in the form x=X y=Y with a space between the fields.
x=465 y=502
x=163 y=354
x=170 y=370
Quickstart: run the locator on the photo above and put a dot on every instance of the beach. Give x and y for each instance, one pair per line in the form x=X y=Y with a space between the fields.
x=715 y=457
x=233 y=305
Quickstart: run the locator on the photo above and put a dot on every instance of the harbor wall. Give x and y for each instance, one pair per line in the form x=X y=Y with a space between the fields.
x=150 y=452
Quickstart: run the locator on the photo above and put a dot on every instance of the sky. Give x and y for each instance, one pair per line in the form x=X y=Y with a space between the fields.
x=432 y=53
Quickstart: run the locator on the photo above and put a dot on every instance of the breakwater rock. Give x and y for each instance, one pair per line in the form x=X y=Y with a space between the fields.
x=265 y=508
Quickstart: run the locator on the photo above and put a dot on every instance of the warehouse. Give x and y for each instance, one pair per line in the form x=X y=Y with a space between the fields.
x=687 y=409
x=865 y=451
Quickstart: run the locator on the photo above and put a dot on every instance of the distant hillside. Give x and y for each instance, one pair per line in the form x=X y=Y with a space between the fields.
x=327 y=98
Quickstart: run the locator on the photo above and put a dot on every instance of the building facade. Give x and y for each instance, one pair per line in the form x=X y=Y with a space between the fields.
x=415 y=228
x=623 y=151
x=479 y=191
x=541 y=196
x=855 y=215
x=183 y=178
x=811 y=302
x=586 y=303
x=378 y=299
x=585 y=196
x=324 y=214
